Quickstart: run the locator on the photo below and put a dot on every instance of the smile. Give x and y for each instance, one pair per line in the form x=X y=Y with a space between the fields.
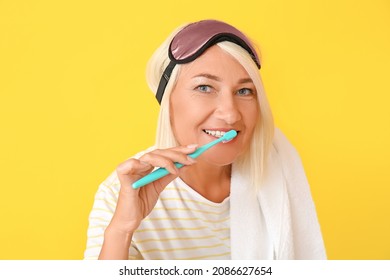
x=215 y=133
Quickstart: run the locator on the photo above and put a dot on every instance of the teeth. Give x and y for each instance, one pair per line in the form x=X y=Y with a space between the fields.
x=215 y=133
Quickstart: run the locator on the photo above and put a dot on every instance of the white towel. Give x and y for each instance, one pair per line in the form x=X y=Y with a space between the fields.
x=279 y=220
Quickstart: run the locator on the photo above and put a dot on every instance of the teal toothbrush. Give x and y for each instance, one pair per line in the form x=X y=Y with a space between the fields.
x=161 y=172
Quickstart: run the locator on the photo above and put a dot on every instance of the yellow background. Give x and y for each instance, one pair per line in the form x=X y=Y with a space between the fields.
x=74 y=104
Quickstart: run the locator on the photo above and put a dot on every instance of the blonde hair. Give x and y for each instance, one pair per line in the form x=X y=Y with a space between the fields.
x=253 y=160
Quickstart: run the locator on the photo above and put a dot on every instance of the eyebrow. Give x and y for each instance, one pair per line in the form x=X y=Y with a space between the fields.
x=208 y=76
x=245 y=80
x=216 y=78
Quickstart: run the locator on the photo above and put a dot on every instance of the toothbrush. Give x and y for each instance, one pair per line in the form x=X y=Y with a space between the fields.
x=161 y=172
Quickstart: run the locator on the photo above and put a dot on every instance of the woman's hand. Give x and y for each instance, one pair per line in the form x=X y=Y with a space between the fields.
x=134 y=205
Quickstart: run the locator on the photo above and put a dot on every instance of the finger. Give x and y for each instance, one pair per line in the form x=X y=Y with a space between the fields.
x=178 y=154
x=131 y=170
x=161 y=183
x=185 y=149
x=163 y=161
x=133 y=166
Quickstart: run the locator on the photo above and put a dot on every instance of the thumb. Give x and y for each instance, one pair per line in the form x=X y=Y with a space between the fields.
x=161 y=183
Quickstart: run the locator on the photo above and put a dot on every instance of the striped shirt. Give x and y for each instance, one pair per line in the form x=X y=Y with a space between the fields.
x=182 y=225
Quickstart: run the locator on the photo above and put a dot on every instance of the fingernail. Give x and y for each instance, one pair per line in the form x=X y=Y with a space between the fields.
x=191 y=146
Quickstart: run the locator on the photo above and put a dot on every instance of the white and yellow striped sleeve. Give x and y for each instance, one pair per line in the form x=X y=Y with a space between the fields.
x=102 y=211
x=101 y=214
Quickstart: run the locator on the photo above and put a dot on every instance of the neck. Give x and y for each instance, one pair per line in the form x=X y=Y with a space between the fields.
x=210 y=181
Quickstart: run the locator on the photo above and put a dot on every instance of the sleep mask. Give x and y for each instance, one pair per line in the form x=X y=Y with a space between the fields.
x=194 y=39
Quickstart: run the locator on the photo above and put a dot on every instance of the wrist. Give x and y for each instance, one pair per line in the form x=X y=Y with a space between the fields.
x=116 y=244
x=115 y=233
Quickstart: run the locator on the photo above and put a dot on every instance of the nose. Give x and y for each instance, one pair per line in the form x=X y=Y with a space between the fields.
x=227 y=109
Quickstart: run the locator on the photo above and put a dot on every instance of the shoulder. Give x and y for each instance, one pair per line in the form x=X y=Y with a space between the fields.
x=283 y=145
x=286 y=152
x=292 y=167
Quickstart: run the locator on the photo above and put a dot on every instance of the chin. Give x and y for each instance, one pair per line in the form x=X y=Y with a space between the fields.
x=220 y=160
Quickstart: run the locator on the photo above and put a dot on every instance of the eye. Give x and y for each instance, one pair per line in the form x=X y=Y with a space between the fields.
x=204 y=88
x=245 y=92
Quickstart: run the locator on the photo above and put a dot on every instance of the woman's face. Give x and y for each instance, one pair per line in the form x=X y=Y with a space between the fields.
x=214 y=94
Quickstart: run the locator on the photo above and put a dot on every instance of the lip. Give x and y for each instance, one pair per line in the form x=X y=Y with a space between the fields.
x=222 y=129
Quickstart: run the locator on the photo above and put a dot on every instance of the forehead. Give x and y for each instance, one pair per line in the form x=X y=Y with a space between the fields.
x=215 y=61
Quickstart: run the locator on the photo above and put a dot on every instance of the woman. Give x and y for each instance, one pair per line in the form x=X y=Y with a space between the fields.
x=244 y=199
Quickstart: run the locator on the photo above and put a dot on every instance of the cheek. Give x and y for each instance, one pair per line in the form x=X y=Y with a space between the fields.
x=250 y=114
x=185 y=116
x=189 y=110
x=175 y=120
x=181 y=113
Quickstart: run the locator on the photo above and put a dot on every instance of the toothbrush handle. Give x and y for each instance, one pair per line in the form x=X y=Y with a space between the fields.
x=155 y=175
x=161 y=172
